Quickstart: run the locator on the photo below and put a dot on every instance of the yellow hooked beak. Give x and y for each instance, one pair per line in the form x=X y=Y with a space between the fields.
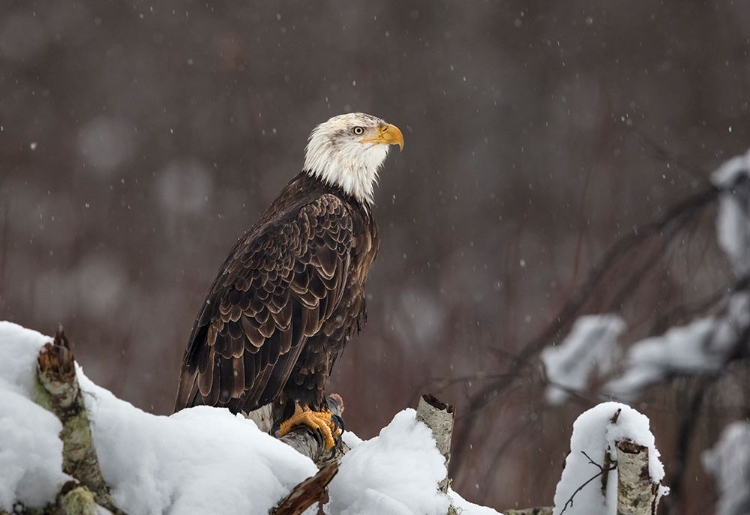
x=387 y=135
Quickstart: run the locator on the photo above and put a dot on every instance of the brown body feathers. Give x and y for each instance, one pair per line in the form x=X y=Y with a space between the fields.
x=283 y=305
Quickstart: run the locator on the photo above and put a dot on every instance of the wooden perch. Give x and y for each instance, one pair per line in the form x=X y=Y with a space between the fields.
x=302 y=438
x=308 y=492
x=57 y=390
x=636 y=493
x=439 y=417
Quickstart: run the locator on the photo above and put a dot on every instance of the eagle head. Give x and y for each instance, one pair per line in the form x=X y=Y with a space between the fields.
x=348 y=150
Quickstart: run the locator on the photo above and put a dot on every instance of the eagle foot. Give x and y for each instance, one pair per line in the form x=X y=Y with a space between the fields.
x=322 y=421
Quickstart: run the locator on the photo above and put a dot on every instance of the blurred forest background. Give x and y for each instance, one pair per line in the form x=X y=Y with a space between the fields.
x=138 y=140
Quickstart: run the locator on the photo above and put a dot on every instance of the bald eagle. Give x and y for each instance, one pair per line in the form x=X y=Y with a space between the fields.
x=291 y=292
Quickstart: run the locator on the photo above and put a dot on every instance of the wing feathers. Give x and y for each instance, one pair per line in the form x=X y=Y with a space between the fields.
x=275 y=291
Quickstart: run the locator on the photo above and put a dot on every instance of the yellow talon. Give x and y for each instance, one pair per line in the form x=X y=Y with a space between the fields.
x=320 y=420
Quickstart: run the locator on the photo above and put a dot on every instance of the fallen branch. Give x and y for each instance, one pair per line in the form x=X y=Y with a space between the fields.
x=57 y=390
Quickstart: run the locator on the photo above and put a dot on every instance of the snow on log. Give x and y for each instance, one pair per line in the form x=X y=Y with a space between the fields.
x=201 y=460
x=613 y=466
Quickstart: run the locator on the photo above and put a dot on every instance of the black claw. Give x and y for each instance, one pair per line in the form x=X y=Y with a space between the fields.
x=339 y=423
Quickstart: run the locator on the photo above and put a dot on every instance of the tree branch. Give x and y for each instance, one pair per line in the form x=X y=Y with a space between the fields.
x=308 y=492
x=302 y=438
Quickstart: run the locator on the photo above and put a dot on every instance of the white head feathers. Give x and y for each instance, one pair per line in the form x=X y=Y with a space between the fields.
x=348 y=150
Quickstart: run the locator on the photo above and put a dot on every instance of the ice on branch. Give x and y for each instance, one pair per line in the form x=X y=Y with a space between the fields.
x=733 y=220
x=591 y=346
x=608 y=440
x=729 y=463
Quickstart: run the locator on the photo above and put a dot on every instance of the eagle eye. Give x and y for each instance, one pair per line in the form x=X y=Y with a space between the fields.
x=358 y=131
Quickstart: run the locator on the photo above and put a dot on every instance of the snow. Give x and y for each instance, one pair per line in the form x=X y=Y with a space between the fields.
x=202 y=460
x=181 y=463
x=595 y=434
x=729 y=462
x=733 y=220
x=590 y=346
x=395 y=472
x=467 y=508
x=30 y=452
x=701 y=346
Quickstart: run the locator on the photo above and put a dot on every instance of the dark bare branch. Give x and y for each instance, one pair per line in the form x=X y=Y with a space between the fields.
x=308 y=492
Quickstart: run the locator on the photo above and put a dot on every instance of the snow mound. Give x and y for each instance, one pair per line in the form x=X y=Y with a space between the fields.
x=202 y=460
x=395 y=472
x=594 y=436
x=30 y=450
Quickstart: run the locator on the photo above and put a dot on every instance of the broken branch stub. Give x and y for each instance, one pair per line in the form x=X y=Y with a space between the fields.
x=439 y=417
x=636 y=492
x=58 y=391
x=308 y=492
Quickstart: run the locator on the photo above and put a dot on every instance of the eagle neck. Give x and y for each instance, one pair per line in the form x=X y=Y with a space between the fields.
x=335 y=189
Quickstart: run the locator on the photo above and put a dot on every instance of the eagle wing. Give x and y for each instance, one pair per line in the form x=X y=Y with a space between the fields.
x=275 y=290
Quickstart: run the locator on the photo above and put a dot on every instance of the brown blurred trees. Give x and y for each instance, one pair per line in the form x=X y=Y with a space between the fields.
x=138 y=141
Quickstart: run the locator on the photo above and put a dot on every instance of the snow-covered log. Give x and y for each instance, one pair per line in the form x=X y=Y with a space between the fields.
x=613 y=466
x=201 y=460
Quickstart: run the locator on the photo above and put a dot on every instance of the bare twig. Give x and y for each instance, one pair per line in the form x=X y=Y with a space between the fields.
x=602 y=470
